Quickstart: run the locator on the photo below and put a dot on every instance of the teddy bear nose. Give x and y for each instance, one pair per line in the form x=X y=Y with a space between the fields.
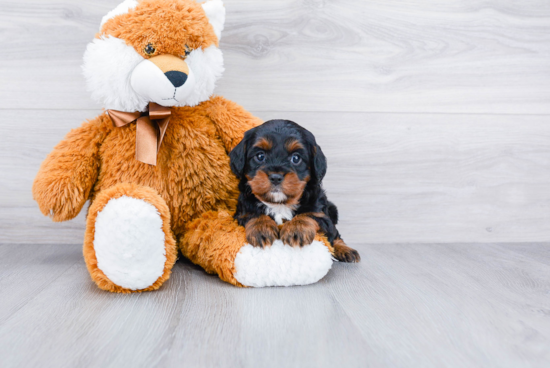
x=176 y=78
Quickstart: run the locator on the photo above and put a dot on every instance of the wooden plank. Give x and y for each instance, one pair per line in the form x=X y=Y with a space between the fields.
x=370 y=56
x=73 y=323
x=464 y=305
x=438 y=305
x=195 y=320
x=395 y=177
x=26 y=270
x=27 y=225
x=272 y=327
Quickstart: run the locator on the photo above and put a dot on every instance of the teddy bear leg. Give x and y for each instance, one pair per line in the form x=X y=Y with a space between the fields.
x=128 y=245
x=218 y=244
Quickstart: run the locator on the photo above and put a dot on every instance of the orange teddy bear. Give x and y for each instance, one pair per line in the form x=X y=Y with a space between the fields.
x=155 y=164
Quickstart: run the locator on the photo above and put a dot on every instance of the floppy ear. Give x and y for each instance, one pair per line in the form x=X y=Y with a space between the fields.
x=237 y=158
x=319 y=163
x=318 y=160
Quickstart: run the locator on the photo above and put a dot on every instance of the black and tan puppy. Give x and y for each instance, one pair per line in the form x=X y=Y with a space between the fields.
x=280 y=167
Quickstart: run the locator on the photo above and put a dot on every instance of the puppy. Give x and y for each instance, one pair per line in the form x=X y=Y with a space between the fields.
x=280 y=167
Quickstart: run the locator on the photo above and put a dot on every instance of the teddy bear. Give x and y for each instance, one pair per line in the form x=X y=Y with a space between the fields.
x=154 y=165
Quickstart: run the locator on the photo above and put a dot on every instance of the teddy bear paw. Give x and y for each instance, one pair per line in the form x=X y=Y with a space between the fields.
x=129 y=243
x=282 y=265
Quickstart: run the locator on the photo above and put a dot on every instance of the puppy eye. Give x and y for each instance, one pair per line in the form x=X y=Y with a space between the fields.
x=149 y=49
x=187 y=50
x=295 y=159
x=260 y=157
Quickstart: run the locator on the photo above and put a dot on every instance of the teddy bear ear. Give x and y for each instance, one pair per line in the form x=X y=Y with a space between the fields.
x=215 y=11
x=122 y=8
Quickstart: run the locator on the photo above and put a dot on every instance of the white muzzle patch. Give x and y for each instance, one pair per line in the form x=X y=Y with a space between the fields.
x=151 y=84
x=121 y=79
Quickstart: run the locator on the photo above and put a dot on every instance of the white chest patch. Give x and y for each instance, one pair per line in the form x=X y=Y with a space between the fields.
x=279 y=211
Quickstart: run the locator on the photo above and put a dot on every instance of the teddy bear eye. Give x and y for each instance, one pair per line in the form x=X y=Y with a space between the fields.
x=187 y=50
x=149 y=49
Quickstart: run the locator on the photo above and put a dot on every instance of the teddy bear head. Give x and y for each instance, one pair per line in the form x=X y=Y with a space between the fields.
x=162 y=51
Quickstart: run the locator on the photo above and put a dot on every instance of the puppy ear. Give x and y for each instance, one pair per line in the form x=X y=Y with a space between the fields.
x=318 y=160
x=237 y=158
x=319 y=163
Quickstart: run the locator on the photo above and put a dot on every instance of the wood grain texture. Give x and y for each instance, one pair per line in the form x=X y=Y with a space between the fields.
x=315 y=55
x=395 y=177
x=439 y=305
x=458 y=153
x=25 y=271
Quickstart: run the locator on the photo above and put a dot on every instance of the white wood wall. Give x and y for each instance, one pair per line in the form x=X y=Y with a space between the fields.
x=435 y=116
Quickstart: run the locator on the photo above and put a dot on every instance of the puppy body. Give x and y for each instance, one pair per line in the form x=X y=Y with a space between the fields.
x=281 y=167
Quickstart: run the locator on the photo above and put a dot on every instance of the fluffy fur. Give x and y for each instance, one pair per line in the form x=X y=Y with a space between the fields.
x=112 y=267
x=191 y=187
x=169 y=25
x=281 y=168
x=208 y=67
x=215 y=240
x=215 y=11
x=279 y=211
x=112 y=59
x=108 y=77
x=192 y=173
x=281 y=265
x=129 y=242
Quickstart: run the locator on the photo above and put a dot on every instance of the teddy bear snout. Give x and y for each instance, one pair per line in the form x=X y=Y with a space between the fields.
x=164 y=79
x=173 y=67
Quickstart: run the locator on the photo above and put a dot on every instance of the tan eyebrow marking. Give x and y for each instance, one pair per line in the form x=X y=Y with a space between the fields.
x=293 y=145
x=264 y=144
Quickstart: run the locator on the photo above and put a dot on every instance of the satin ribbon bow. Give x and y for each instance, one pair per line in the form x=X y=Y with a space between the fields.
x=150 y=129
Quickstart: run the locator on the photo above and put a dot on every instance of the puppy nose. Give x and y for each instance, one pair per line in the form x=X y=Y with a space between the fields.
x=176 y=78
x=275 y=179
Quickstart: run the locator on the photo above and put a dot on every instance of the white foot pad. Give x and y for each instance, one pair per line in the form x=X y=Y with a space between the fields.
x=129 y=243
x=282 y=265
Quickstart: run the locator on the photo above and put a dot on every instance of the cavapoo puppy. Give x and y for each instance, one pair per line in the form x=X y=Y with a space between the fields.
x=280 y=167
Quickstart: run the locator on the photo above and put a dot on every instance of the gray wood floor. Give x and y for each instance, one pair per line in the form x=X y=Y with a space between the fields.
x=438 y=305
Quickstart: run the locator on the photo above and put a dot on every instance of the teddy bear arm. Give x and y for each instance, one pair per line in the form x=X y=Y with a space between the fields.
x=231 y=121
x=68 y=173
x=217 y=243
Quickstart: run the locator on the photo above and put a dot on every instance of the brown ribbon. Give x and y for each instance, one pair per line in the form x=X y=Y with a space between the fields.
x=150 y=129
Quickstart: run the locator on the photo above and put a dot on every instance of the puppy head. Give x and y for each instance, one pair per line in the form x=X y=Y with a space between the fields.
x=162 y=51
x=277 y=160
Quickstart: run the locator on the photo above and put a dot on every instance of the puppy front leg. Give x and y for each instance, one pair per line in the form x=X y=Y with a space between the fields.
x=300 y=230
x=261 y=231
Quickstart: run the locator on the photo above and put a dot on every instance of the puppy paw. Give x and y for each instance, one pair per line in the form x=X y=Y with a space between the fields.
x=261 y=231
x=343 y=253
x=299 y=231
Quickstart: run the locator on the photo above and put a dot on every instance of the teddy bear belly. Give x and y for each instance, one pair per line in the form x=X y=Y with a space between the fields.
x=192 y=179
